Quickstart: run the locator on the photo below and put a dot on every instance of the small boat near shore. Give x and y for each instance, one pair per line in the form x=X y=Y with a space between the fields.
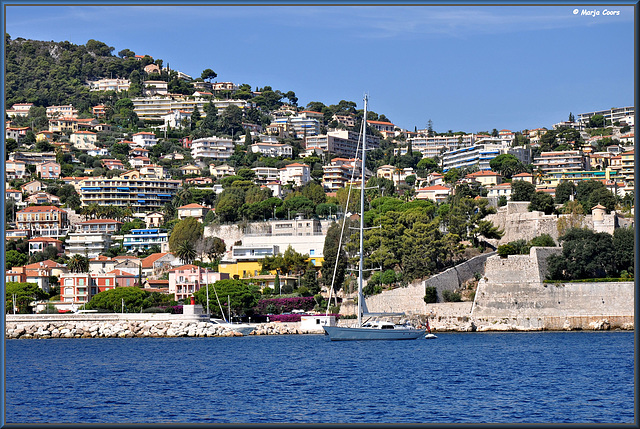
x=243 y=328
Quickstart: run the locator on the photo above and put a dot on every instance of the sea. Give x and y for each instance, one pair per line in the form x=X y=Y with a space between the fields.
x=508 y=377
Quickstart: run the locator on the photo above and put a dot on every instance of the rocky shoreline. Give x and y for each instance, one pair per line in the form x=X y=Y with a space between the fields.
x=47 y=329
x=139 y=329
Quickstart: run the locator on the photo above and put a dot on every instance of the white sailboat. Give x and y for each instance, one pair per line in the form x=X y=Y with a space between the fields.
x=369 y=330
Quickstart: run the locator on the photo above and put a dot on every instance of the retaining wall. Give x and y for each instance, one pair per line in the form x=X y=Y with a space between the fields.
x=410 y=299
x=512 y=296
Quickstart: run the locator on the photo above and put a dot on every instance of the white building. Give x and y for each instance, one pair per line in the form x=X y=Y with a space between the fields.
x=340 y=142
x=296 y=173
x=217 y=148
x=87 y=244
x=265 y=175
x=272 y=149
x=144 y=139
x=107 y=84
x=478 y=154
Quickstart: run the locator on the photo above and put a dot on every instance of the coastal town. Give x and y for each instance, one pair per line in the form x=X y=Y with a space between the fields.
x=155 y=184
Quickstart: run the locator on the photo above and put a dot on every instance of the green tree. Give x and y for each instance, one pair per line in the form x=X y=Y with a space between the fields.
x=244 y=296
x=522 y=191
x=507 y=165
x=24 y=294
x=543 y=202
x=78 y=264
x=585 y=255
x=187 y=230
x=430 y=295
x=564 y=191
x=186 y=252
x=13 y=258
x=624 y=244
x=208 y=74
x=127 y=299
x=543 y=240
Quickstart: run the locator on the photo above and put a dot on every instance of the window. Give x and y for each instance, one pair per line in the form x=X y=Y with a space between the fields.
x=107 y=282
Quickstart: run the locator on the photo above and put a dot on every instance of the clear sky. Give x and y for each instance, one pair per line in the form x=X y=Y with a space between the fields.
x=467 y=68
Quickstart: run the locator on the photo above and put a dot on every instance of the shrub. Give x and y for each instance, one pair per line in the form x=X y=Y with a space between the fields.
x=543 y=240
x=506 y=250
x=430 y=295
x=372 y=289
x=451 y=296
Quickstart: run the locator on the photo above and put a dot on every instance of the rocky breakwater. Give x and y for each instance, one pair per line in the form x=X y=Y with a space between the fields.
x=120 y=329
x=283 y=328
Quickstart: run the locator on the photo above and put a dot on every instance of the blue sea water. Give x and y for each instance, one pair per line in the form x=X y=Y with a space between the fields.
x=542 y=377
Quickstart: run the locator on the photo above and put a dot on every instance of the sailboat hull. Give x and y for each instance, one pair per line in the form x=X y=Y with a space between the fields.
x=342 y=333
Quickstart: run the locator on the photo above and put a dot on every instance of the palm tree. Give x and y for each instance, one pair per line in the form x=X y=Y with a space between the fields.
x=78 y=264
x=186 y=252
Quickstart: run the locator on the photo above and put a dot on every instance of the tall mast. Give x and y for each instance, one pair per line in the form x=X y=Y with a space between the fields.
x=362 y=167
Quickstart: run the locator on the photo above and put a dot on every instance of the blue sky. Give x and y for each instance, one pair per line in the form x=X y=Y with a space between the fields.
x=467 y=68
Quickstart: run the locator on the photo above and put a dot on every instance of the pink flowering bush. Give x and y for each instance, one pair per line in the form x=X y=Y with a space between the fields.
x=285 y=305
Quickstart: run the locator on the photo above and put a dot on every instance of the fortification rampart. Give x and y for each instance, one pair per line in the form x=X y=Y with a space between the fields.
x=513 y=296
x=410 y=299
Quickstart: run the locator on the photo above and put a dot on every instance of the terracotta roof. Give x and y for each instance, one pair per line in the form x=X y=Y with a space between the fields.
x=126 y=257
x=40 y=209
x=523 y=175
x=192 y=206
x=435 y=188
x=47 y=264
x=100 y=258
x=184 y=267
x=149 y=260
x=47 y=239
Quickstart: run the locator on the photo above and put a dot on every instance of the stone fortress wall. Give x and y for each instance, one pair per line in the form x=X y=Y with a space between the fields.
x=513 y=294
x=519 y=223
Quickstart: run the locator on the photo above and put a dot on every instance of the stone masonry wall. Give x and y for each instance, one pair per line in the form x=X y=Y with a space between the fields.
x=512 y=296
x=410 y=299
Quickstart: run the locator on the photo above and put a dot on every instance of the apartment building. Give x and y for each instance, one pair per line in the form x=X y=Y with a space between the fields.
x=434 y=146
x=144 y=139
x=555 y=162
x=143 y=195
x=66 y=111
x=272 y=149
x=340 y=172
x=107 y=226
x=437 y=193
x=144 y=239
x=186 y=280
x=341 y=142
x=89 y=244
x=193 y=210
x=395 y=174
x=15 y=169
x=265 y=175
x=48 y=170
x=19 y=109
x=216 y=148
x=108 y=84
x=615 y=114
x=155 y=87
x=296 y=173
x=477 y=155
x=156 y=107
x=43 y=221
x=38 y=244
x=221 y=170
